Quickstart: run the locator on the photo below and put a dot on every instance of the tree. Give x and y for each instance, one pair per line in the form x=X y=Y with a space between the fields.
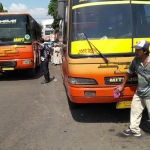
x=2 y=9
x=52 y=12
x=40 y=26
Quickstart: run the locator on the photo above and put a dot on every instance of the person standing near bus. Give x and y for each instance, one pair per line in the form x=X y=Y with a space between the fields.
x=57 y=56
x=141 y=65
x=44 y=54
x=52 y=50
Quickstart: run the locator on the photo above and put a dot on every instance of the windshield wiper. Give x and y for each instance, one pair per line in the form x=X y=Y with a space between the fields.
x=91 y=44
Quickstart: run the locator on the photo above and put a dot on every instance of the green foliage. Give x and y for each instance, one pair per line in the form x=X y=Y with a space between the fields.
x=40 y=26
x=52 y=12
x=52 y=8
x=55 y=25
x=2 y=9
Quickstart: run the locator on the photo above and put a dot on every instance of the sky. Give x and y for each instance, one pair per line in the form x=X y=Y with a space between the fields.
x=38 y=9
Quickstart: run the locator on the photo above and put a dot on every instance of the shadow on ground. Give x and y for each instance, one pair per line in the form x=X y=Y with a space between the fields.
x=20 y=75
x=106 y=113
x=92 y=113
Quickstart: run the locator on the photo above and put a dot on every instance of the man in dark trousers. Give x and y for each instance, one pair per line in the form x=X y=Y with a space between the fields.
x=44 y=54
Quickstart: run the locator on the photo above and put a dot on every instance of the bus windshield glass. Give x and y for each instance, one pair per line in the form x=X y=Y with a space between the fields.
x=113 y=21
x=14 y=29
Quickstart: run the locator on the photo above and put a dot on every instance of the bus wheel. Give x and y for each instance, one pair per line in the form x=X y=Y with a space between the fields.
x=31 y=72
x=72 y=105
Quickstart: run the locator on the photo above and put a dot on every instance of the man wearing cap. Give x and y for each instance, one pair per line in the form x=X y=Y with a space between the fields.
x=44 y=49
x=140 y=65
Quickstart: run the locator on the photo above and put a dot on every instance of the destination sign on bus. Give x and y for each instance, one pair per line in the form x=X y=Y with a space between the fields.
x=7 y=21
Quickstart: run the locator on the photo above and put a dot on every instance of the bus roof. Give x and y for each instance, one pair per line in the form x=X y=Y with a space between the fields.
x=13 y=13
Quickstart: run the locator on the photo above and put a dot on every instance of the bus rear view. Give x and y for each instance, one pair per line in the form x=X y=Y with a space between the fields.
x=17 y=32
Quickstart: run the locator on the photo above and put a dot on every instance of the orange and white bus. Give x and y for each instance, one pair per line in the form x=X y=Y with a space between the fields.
x=99 y=36
x=18 y=31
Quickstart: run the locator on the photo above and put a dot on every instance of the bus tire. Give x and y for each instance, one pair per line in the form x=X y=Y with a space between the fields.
x=71 y=104
x=31 y=72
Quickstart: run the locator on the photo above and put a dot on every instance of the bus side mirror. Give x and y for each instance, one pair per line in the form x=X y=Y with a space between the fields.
x=60 y=9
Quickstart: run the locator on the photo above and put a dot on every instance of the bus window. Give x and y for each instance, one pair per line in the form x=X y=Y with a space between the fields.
x=13 y=28
x=94 y=21
x=141 y=20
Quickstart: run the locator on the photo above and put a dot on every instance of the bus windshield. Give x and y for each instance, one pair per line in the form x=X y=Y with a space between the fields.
x=14 y=29
x=111 y=27
x=111 y=22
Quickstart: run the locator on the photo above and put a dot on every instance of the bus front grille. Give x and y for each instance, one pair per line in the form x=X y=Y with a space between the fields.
x=8 y=64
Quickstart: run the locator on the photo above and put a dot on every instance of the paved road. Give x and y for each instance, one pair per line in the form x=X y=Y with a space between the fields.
x=37 y=117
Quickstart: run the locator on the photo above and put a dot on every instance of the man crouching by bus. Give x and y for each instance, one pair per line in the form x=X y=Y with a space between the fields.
x=44 y=54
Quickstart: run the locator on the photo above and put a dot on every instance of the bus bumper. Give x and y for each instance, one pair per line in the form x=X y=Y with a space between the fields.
x=14 y=64
x=102 y=95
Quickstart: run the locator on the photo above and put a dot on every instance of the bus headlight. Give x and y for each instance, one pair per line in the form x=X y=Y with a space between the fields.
x=82 y=81
x=26 y=61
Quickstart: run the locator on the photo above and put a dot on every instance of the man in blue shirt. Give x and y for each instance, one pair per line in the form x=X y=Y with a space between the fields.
x=44 y=54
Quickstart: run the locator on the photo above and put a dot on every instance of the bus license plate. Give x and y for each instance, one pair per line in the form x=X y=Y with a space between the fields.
x=10 y=68
x=123 y=104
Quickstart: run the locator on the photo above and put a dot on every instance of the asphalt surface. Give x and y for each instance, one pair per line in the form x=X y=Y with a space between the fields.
x=37 y=117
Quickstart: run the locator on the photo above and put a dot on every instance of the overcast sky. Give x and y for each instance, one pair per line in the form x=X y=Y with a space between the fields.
x=37 y=8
